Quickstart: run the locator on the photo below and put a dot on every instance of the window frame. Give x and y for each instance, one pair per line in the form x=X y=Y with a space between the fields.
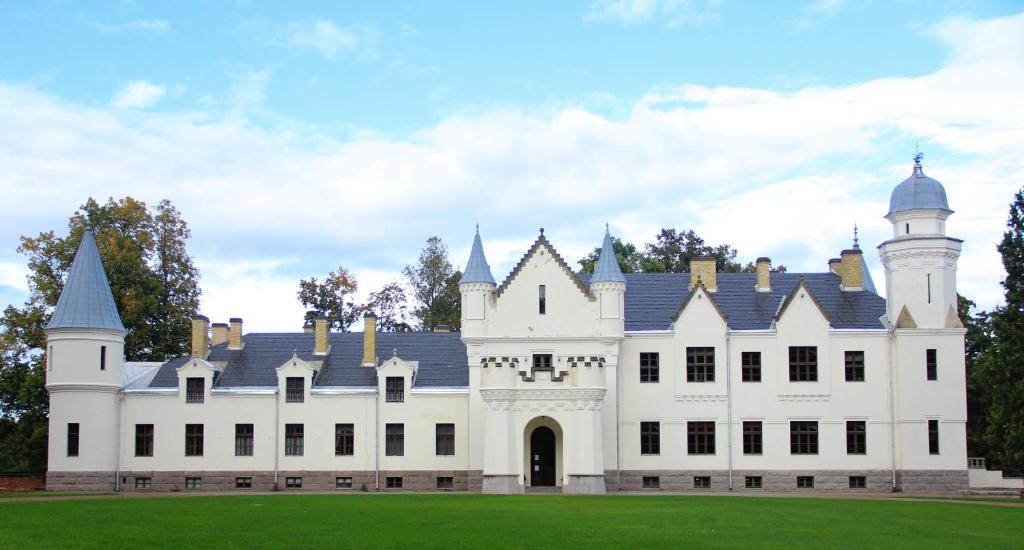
x=856 y=437
x=701 y=482
x=293 y=394
x=931 y=364
x=243 y=482
x=394 y=439
x=700 y=437
x=753 y=482
x=650 y=482
x=444 y=439
x=858 y=482
x=193 y=483
x=803 y=437
x=194 y=439
x=650 y=367
x=144 y=440
x=143 y=483
x=74 y=439
x=245 y=443
x=753 y=437
x=103 y=357
x=393 y=482
x=853 y=365
x=933 y=437
x=344 y=439
x=750 y=366
x=191 y=395
x=700 y=364
x=445 y=483
x=805 y=368
x=393 y=394
x=542 y=300
x=294 y=439
x=804 y=482
x=293 y=482
x=340 y=483
x=650 y=438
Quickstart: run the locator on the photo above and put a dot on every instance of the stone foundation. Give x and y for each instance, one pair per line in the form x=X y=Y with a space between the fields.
x=74 y=482
x=501 y=485
x=876 y=481
x=319 y=480
x=584 y=485
x=932 y=481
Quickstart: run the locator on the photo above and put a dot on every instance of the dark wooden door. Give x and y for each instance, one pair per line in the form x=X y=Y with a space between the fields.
x=542 y=457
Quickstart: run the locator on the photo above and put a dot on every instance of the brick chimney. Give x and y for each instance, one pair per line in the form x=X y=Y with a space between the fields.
x=220 y=334
x=705 y=270
x=321 y=346
x=833 y=265
x=200 y=336
x=369 y=339
x=851 y=269
x=442 y=328
x=764 y=269
x=235 y=334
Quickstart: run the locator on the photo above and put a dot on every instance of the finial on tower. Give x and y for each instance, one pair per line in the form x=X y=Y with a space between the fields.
x=477 y=228
x=542 y=231
x=918 y=155
x=856 y=241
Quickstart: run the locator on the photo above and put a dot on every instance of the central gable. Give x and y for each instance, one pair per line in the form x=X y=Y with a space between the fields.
x=541 y=245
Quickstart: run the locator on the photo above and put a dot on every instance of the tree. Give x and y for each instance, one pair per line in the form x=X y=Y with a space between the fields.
x=435 y=287
x=1002 y=370
x=155 y=287
x=672 y=250
x=389 y=303
x=333 y=298
x=977 y=344
x=630 y=259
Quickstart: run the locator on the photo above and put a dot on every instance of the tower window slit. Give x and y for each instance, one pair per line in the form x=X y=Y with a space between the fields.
x=542 y=300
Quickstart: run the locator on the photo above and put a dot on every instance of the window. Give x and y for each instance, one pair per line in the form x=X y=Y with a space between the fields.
x=293 y=482
x=858 y=482
x=395 y=389
x=49 y=359
x=194 y=391
x=752 y=438
x=931 y=362
x=805 y=482
x=750 y=366
x=542 y=301
x=753 y=482
x=856 y=437
x=855 y=366
x=243 y=439
x=444 y=439
x=294 y=439
x=649 y=367
x=193 y=440
x=542 y=361
x=651 y=482
x=295 y=389
x=907 y=227
x=344 y=440
x=343 y=482
x=394 y=440
x=143 y=483
x=701 y=482
x=650 y=438
x=803 y=364
x=243 y=483
x=73 y=439
x=803 y=437
x=143 y=440
x=193 y=483
x=445 y=483
x=700 y=438
x=393 y=482
x=103 y=357
x=700 y=364
x=933 y=437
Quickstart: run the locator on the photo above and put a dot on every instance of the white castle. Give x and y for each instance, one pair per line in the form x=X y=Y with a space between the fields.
x=585 y=384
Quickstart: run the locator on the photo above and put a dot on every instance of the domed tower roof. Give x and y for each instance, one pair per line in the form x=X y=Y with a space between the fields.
x=477 y=270
x=918 y=192
x=86 y=301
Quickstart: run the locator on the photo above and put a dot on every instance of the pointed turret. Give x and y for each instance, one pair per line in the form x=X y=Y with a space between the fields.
x=477 y=270
x=86 y=301
x=607 y=269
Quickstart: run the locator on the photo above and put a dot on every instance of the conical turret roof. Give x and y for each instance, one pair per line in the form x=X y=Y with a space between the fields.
x=607 y=269
x=86 y=301
x=477 y=270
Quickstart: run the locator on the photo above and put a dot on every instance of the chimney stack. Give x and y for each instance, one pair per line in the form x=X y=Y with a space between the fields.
x=764 y=269
x=200 y=336
x=322 y=346
x=235 y=334
x=369 y=339
x=833 y=265
x=705 y=270
x=851 y=269
x=220 y=334
x=442 y=328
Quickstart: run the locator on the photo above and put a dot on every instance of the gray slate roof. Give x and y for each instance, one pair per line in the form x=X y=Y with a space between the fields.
x=86 y=300
x=918 y=191
x=442 y=359
x=477 y=270
x=607 y=269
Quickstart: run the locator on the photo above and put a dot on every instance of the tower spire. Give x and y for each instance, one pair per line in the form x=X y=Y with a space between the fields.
x=607 y=268
x=86 y=300
x=477 y=269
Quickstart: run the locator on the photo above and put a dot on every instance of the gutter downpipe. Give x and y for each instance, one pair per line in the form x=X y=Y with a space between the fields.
x=277 y=430
x=376 y=438
x=728 y=398
x=618 y=420
x=469 y=438
x=892 y=408
x=117 y=444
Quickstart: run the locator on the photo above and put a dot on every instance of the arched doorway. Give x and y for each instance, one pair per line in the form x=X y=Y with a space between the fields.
x=542 y=457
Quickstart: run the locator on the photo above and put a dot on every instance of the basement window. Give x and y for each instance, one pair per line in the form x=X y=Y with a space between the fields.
x=804 y=482
x=343 y=482
x=651 y=482
x=445 y=483
x=243 y=483
x=701 y=482
x=143 y=483
x=393 y=482
x=293 y=482
x=193 y=483
x=753 y=482
x=858 y=482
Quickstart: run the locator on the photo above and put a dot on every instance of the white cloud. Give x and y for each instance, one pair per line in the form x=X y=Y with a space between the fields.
x=137 y=94
x=147 y=25
x=783 y=174
x=322 y=36
x=14 y=275
x=672 y=12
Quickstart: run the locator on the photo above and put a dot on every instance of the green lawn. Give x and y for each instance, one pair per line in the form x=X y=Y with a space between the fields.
x=476 y=521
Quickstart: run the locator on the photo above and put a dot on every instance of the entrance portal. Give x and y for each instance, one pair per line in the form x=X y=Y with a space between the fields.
x=542 y=457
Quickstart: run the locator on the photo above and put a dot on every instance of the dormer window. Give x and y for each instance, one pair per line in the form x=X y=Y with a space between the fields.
x=194 y=390
x=395 y=389
x=295 y=391
x=542 y=306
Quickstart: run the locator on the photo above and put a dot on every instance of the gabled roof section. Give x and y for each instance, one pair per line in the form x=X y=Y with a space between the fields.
x=543 y=241
x=802 y=284
x=86 y=301
x=703 y=292
x=477 y=269
x=607 y=269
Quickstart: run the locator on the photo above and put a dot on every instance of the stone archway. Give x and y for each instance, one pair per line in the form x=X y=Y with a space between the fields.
x=543 y=462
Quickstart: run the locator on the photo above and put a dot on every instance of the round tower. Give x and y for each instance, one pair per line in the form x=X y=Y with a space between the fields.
x=477 y=288
x=608 y=284
x=919 y=259
x=84 y=364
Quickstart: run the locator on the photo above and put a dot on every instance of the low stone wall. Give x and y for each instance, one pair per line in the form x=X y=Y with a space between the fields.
x=877 y=481
x=312 y=480
x=18 y=482
x=932 y=481
x=75 y=482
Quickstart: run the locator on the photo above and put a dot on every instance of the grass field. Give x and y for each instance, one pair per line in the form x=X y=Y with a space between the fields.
x=476 y=521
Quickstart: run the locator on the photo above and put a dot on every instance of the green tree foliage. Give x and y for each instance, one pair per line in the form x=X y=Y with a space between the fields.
x=630 y=259
x=389 y=303
x=977 y=343
x=670 y=252
x=155 y=286
x=333 y=297
x=435 y=287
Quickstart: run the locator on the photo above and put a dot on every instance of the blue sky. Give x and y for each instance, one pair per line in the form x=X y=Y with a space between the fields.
x=297 y=137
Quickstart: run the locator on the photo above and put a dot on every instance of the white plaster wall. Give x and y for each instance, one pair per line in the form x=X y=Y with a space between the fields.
x=96 y=413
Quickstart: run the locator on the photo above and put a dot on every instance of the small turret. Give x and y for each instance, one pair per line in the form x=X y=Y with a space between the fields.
x=477 y=287
x=608 y=284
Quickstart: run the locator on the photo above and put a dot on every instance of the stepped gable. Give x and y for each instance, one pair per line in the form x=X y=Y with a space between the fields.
x=543 y=241
x=441 y=356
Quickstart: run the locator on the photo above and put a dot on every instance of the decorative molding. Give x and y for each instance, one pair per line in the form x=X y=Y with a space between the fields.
x=543 y=399
x=701 y=397
x=804 y=397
